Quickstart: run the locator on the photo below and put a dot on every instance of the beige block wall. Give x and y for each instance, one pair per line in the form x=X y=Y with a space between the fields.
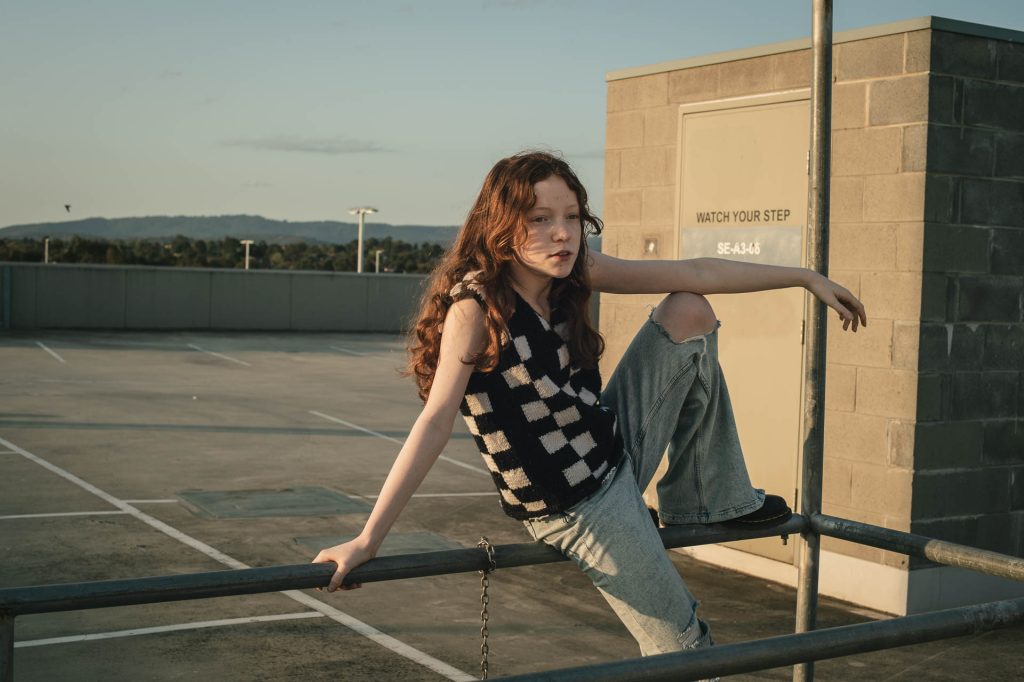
x=880 y=111
x=640 y=149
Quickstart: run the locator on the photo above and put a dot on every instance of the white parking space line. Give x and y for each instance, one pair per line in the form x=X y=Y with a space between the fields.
x=346 y=350
x=151 y=501
x=219 y=355
x=493 y=492
x=74 y=381
x=167 y=628
x=53 y=514
x=350 y=425
x=479 y=470
x=368 y=631
x=59 y=358
x=387 y=641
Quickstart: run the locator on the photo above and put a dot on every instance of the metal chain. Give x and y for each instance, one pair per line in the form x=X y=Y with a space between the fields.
x=484 y=601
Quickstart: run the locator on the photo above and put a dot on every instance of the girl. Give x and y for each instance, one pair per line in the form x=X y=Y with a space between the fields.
x=504 y=336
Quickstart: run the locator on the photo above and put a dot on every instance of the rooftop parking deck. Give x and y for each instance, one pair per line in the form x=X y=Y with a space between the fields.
x=255 y=449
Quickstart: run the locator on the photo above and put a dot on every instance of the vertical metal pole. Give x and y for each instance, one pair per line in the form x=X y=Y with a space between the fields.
x=359 y=246
x=6 y=646
x=814 y=350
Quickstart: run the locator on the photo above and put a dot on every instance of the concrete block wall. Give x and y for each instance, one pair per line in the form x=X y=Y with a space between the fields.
x=873 y=396
x=925 y=406
x=640 y=153
x=879 y=110
x=969 y=442
x=60 y=296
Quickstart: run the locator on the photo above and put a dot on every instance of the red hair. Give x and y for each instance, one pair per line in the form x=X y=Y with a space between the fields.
x=487 y=243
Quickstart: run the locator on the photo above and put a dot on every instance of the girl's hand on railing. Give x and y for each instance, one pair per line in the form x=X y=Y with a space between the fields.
x=851 y=310
x=347 y=556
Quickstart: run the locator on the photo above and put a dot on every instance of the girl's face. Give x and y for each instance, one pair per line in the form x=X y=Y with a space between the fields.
x=553 y=231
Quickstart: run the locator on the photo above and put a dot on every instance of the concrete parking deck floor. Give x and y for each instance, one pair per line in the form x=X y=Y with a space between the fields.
x=176 y=424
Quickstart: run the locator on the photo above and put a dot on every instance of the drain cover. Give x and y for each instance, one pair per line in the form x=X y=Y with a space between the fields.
x=242 y=504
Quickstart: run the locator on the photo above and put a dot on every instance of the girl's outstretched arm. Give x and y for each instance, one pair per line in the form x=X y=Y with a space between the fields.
x=463 y=337
x=718 y=276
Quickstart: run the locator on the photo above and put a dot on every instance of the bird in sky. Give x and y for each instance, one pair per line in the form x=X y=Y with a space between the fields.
x=67 y=207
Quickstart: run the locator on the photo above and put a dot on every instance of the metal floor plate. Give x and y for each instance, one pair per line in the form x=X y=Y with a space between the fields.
x=243 y=504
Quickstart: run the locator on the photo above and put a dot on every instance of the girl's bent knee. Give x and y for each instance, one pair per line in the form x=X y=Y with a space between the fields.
x=684 y=315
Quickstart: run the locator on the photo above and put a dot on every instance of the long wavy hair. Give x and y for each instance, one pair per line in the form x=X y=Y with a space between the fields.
x=487 y=243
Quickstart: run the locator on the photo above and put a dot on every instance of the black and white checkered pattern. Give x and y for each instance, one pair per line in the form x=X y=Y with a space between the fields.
x=537 y=418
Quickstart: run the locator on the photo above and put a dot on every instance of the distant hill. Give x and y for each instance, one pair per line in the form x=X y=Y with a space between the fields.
x=238 y=226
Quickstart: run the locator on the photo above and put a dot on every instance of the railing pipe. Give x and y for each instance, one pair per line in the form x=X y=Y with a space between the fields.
x=99 y=594
x=813 y=417
x=772 y=652
x=6 y=646
x=721 y=660
x=938 y=551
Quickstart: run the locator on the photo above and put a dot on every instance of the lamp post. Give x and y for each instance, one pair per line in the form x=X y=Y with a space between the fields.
x=247 y=243
x=361 y=211
x=46 y=250
x=376 y=269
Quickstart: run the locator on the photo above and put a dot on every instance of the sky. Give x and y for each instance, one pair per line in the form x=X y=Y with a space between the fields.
x=303 y=110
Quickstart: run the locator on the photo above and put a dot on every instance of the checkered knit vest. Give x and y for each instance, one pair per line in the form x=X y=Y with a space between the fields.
x=537 y=417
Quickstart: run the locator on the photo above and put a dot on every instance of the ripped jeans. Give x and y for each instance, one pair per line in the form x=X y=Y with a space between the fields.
x=666 y=395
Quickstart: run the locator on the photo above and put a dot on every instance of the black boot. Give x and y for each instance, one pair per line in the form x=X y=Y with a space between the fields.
x=773 y=512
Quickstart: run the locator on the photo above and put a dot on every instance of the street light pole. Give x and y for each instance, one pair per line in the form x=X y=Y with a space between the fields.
x=46 y=250
x=376 y=270
x=361 y=211
x=247 y=242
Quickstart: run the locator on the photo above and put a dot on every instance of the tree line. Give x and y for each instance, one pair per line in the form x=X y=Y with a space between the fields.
x=395 y=255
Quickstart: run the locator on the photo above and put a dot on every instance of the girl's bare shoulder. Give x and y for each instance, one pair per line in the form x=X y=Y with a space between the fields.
x=466 y=309
x=466 y=317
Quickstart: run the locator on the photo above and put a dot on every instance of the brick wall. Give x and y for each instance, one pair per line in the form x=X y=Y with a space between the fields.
x=969 y=445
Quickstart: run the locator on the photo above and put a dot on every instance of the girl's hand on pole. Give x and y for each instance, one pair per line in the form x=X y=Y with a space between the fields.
x=347 y=556
x=851 y=310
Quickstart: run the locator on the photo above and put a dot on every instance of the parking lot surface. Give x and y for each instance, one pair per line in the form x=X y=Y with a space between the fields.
x=143 y=454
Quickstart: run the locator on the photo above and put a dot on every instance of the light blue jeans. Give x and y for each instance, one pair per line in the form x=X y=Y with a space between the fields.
x=666 y=395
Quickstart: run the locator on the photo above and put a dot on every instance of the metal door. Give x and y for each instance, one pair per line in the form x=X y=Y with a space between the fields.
x=743 y=195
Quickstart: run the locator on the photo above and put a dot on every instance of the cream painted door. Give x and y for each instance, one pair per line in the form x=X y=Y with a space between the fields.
x=743 y=196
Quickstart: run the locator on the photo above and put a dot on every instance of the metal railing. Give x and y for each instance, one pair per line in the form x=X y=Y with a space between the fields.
x=813 y=417
x=19 y=601
x=728 y=659
x=803 y=648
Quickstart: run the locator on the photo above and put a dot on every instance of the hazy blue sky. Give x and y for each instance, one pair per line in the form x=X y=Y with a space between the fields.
x=302 y=110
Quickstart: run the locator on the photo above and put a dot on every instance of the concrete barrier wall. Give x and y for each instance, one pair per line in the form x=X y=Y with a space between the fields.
x=5 y=298
x=35 y=296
